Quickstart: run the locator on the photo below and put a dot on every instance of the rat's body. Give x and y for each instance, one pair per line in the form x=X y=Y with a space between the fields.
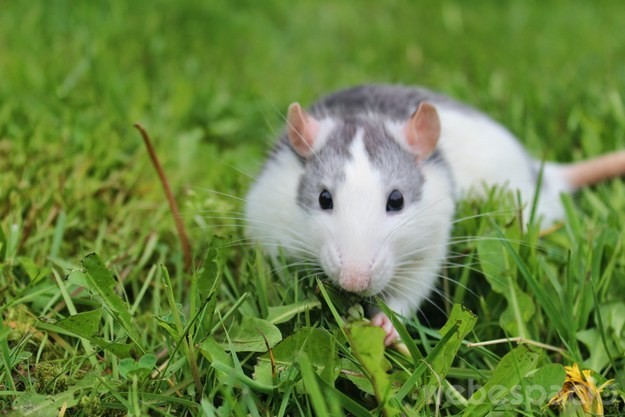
x=365 y=186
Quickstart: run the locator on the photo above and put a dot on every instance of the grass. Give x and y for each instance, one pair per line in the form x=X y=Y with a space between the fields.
x=128 y=331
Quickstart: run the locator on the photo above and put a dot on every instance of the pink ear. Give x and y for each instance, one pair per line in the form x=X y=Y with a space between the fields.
x=302 y=130
x=422 y=130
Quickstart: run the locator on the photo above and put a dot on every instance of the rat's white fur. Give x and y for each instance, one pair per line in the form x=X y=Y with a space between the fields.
x=362 y=245
x=364 y=249
x=482 y=153
x=358 y=244
x=272 y=215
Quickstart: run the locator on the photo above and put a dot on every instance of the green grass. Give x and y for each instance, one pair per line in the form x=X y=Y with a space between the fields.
x=211 y=81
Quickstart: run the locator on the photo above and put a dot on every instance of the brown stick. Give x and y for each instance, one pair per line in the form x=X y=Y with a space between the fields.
x=182 y=234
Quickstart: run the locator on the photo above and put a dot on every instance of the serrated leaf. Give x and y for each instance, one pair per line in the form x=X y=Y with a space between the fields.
x=86 y=325
x=282 y=314
x=367 y=345
x=121 y=350
x=508 y=374
x=82 y=324
x=463 y=321
x=319 y=346
x=100 y=281
x=440 y=358
x=264 y=373
x=250 y=335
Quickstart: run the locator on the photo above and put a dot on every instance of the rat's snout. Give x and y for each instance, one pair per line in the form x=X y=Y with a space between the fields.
x=354 y=279
x=364 y=272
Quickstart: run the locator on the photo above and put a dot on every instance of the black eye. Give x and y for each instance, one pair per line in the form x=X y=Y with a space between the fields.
x=325 y=200
x=395 y=201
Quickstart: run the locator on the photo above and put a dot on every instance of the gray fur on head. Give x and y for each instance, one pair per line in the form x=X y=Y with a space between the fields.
x=398 y=168
x=395 y=102
x=324 y=169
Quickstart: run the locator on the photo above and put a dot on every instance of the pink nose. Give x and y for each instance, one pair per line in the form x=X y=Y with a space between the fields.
x=354 y=279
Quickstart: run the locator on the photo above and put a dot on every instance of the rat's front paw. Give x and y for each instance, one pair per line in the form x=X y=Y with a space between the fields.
x=381 y=320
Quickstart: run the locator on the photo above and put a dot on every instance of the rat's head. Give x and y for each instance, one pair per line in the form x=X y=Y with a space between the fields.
x=371 y=212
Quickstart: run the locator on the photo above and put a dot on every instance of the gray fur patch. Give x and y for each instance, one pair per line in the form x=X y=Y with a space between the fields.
x=325 y=169
x=399 y=169
x=394 y=102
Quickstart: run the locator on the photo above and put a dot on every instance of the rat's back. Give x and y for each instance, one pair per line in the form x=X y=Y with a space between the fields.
x=479 y=151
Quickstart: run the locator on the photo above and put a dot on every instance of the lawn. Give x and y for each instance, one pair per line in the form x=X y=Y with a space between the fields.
x=100 y=316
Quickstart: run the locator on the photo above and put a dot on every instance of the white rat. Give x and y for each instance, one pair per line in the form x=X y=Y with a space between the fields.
x=364 y=185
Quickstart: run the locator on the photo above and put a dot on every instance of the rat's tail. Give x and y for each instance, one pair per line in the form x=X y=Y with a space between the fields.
x=592 y=171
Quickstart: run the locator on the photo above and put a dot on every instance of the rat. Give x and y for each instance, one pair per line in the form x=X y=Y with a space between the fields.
x=364 y=185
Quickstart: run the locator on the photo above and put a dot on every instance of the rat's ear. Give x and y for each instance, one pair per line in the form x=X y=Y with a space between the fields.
x=302 y=130
x=422 y=130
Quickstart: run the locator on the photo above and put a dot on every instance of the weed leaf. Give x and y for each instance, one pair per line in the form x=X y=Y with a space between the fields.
x=507 y=375
x=84 y=324
x=211 y=274
x=32 y=404
x=367 y=344
x=319 y=347
x=544 y=383
x=250 y=335
x=214 y=352
x=141 y=368
x=100 y=281
x=500 y=273
x=598 y=357
x=461 y=321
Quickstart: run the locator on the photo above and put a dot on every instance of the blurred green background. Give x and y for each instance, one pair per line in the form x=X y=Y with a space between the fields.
x=210 y=80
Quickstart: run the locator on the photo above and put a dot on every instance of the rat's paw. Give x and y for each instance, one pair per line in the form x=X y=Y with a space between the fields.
x=381 y=320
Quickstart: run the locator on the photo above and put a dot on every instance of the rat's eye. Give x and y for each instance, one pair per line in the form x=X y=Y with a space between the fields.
x=395 y=201
x=325 y=200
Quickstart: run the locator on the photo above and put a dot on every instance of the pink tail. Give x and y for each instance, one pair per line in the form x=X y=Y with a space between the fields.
x=594 y=170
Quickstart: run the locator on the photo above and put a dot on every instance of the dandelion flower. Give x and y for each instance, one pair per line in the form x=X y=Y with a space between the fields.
x=579 y=386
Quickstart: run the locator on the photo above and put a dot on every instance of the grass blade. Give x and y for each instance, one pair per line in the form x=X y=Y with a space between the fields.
x=313 y=389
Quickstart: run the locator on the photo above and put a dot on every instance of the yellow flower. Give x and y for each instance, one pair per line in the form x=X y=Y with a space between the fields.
x=579 y=385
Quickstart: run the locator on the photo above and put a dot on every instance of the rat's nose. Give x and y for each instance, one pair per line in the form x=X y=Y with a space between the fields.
x=354 y=279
